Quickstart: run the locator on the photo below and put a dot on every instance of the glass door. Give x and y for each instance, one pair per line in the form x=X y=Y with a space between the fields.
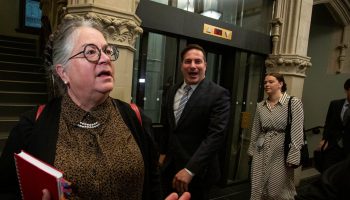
x=246 y=82
x=157 y=67
x=154 y=71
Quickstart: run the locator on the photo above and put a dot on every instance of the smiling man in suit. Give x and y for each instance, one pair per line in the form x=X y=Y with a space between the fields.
x=195 y=115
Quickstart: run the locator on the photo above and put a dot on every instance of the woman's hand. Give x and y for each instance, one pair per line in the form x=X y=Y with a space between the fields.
x=174 y=196
x=46 y=195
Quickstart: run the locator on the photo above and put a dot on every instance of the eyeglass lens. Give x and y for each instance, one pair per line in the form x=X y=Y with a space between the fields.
x=93 y=53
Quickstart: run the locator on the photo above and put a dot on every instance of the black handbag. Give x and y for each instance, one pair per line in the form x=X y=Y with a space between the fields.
x=304 y=152
x=319 y=158
x=326 y=157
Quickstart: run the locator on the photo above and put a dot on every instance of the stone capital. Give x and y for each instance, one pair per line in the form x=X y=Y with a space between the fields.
x=288 y=64
x=123 y=32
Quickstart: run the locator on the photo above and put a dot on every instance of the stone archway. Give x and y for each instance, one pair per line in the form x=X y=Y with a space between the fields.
x=340 y=11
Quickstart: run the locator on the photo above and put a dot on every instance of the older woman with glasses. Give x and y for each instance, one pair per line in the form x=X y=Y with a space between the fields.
x=97 y=141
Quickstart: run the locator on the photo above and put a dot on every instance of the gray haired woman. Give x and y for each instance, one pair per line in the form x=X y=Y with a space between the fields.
x=97 y=141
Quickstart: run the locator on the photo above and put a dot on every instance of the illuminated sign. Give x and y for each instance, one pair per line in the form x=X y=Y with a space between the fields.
x=218 y=32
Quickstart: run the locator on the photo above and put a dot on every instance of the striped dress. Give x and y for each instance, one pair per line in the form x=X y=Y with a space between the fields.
x=270 y=177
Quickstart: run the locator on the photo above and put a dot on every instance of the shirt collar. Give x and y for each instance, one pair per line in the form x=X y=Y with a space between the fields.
x=193 y=87
x=282 y=99
x=74 y=114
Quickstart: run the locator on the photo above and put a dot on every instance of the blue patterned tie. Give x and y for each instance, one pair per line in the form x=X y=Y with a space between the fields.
x=183 y=102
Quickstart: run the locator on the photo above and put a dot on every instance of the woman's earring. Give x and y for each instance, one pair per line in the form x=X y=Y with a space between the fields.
x=65 y=82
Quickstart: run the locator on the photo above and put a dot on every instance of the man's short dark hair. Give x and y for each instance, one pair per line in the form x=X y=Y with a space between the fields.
x=190 y=47
x=347 y=84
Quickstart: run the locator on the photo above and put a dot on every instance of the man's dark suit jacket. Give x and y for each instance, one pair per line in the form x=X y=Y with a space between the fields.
x=333 y=126
x=334 y=131
x=200 y=132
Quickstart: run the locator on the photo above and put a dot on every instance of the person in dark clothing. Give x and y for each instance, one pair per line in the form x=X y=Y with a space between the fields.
x=335 y=143
x=333 y=184
x=97 y=141
x=195 y=115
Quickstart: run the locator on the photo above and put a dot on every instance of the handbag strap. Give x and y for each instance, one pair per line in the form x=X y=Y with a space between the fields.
x=39 y=111
x=287 y=138
x=289 y=118
x=137 y=112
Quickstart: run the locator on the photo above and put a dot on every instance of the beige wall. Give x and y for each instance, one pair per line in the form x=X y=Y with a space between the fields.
x=321 y=85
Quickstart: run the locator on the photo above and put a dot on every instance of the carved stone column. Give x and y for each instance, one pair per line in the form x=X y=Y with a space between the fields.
x=119 y=18
x=290 y=35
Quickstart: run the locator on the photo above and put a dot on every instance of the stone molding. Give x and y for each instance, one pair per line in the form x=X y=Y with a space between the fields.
x=340 y=10
x=123 y=32
x=275 y=33
x=341 y=58
x=342 y=48
x=288 y=64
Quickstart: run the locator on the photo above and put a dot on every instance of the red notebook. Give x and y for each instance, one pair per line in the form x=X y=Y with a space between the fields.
x=35 y=175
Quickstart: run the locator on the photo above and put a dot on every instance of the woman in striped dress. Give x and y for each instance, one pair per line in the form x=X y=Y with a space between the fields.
x=272 y=177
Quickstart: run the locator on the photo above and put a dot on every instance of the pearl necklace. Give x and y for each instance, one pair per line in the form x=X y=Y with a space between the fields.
x=88 y=125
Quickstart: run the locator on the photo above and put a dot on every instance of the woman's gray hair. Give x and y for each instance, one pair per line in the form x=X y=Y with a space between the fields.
x=63 y=41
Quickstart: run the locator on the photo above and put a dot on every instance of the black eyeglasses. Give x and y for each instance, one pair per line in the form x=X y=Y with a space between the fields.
x=93 y=54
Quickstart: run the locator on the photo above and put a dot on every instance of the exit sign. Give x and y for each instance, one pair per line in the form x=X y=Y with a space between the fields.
x=217 y=31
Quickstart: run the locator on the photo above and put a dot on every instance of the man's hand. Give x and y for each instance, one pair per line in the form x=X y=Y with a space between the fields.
x=181 y=181
x=319 y=146
x=174 y=196
x=161 y=159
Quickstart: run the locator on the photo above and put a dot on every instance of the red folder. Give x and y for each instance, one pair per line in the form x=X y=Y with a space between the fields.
x=35 y=175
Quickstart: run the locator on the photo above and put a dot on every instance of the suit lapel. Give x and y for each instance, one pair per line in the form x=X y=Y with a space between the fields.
x=196 y=95
x=339 y=109
x=170 y=107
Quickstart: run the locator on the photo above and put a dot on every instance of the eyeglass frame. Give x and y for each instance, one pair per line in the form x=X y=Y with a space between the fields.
x=116 y=54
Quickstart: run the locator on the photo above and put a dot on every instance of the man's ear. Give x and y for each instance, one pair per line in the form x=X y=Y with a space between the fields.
x=62 y=73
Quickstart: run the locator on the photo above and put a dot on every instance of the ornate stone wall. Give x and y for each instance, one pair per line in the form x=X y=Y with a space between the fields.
x=123 y=32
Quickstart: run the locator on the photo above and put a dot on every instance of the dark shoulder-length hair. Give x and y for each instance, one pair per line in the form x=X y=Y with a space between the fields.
x=280 y=79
